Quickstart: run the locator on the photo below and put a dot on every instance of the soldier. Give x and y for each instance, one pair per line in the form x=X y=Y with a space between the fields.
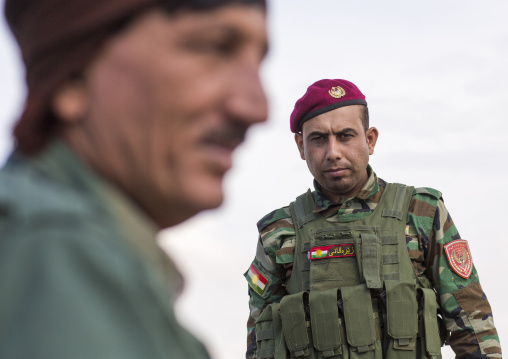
x=361 y=268
x=134 y=110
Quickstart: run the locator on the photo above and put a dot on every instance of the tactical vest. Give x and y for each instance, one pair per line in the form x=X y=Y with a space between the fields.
x=353 y=292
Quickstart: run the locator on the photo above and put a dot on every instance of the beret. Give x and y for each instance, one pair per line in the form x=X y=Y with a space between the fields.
x=323 y=96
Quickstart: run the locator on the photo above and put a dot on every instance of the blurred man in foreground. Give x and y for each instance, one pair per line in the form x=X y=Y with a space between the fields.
x=134 y=109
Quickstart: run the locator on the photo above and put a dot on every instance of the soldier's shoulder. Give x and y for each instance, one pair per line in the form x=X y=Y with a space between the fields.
x=423 y=192
x=273 y=216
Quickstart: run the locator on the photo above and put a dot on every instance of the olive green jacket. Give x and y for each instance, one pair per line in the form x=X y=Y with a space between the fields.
x=81 y=274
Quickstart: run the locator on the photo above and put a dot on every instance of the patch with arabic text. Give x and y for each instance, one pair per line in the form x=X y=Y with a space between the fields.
x=459 y=257
x=333 y=251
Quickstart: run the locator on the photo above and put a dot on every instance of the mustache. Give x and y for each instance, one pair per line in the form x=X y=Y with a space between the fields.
x=230 y=135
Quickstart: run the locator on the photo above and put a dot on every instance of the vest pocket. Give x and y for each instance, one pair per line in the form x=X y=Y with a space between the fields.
x=360 y=323
x=402 y=319
x=295 y=325
x=325 y=323
x=312 y=327
x=432 y=341
x=270 y=340
x=333 y=259
x=265 y=334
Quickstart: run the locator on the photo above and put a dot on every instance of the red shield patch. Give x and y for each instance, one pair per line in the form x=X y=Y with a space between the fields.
x=459 y=257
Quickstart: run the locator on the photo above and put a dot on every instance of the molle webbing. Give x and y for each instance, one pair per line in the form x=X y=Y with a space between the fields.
x=378 y=238
x=264 y=334
x=269 y=339
x=370 y=260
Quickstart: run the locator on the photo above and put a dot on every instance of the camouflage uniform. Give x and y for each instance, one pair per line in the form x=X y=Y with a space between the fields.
x=465 y=308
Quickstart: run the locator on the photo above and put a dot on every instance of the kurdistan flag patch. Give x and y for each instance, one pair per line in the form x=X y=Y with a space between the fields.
x=333 y=251
x=319 y=252
x=256 y=280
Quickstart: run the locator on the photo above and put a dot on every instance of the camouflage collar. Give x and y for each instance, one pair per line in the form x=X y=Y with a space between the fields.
x=370 y=188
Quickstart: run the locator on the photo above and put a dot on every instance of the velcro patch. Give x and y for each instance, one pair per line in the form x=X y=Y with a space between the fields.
x=256 y=280
x=459 y=257
x=333 y=251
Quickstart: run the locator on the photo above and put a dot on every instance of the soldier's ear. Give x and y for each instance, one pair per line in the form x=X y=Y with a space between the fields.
x=299 y=143
x=371 y=135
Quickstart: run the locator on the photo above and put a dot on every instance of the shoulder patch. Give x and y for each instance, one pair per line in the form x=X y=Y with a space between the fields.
x=428 y=191
x=459 y=257
x=256 y=280
x=260 y=280
x=272 y=217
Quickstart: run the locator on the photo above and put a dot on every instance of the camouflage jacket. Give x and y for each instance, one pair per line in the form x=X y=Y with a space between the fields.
x=465 y=308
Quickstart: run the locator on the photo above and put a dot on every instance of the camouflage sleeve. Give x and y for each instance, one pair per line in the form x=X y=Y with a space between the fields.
x=464 y=305
x=267 y=273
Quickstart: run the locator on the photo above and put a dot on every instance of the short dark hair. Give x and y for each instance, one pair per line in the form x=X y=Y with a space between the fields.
x=365 y=118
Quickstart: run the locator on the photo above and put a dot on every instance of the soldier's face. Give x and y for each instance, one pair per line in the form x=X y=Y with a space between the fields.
x=336 y=148
x=166 y=103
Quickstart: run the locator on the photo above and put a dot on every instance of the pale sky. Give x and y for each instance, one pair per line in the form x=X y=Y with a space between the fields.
x=436 y=81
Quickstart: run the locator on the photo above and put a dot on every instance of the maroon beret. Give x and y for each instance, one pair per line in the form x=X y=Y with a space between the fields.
x=323 y=96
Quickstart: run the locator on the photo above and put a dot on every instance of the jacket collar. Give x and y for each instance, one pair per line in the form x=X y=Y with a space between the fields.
x=370 y=188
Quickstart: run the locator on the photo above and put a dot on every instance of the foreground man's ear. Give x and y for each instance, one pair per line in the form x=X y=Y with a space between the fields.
x=70 y=102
